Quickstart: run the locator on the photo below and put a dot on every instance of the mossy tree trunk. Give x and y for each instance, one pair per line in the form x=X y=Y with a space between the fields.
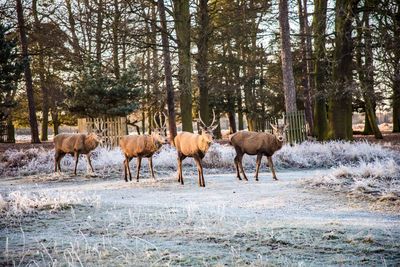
x=182 y=27
x=320 y=70
x=366 y=71
x=203 y=18
x=340 y=100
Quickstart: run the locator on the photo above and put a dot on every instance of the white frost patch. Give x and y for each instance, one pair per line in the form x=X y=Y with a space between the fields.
x=378 y=180
x=306 y=155
x=18 y=203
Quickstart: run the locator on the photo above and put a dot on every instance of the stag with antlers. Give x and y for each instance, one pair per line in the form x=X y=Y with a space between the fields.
x=195 y=146
x=143 y=146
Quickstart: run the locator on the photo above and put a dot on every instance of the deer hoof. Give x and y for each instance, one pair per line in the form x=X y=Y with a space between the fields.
x=257 y=179
x=275 y=179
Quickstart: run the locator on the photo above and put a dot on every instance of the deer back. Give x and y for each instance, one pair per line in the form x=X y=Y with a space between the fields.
x=253 y=143
x=68 y=143
x=138 y=145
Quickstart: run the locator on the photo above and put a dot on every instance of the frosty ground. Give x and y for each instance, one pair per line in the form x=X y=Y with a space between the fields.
x=322 y=211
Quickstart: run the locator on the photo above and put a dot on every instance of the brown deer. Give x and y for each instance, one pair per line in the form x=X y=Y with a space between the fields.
x=75 y=144
x=256 y=143
x=142 y=146
x=194 y=146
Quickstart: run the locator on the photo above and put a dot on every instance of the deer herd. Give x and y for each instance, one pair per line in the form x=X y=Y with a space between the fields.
x=187 y=145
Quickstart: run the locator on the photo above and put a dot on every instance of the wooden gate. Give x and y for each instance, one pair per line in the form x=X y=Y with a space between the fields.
x=297 y=130
x=112 y=128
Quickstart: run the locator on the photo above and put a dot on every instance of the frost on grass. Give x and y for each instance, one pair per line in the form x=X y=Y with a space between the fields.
x=17 y=203
x=306 y=155
x=378 y=181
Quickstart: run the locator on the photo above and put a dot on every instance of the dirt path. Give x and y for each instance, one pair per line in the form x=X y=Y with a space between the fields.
x=229 y=222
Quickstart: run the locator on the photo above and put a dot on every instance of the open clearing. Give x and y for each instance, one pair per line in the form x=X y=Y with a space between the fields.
x=229 y=222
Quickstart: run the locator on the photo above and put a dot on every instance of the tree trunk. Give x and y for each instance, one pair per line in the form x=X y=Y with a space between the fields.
x=168 y=72
x=202 y=59
x=396 y=99
x=232 y=122
x=306 y=58
x=155 y=76
x=396 y=74
x=99 y=29
x=340 y=102
x=41 y=71
x=56 y=122
x=75 y=41
x=286 y=55
x=28 y=75
x=366 y=72
x=320 y=70
x=182 y=28
x=115 y=30
x=10 y=130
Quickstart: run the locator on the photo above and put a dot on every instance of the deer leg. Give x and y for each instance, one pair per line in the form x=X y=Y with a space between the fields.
x=59 y=161
x=241 y=167
x=126 y=168
x=181 y=157
x=151 y=167
x=237 y=167
x=271 y=165
x=129 y=167
x=258 y=163
x=139 y=163
x=89 y=162
x=56 y=157
x=76 y=155
x=200 y=171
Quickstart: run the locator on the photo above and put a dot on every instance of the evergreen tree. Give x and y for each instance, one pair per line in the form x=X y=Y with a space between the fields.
x=10 y=71
x=97 y=94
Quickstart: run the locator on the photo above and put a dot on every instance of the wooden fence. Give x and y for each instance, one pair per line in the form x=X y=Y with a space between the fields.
x=297 y=130
x=113 y=128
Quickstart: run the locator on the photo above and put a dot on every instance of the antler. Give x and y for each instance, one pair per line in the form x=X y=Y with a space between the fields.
x=165 y=121
x=212 y=123
x=160 y=114
x=155 y=121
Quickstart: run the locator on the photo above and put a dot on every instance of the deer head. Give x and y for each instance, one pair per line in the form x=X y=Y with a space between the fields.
x=279 y=131
x=207 y=131
x=158 y=132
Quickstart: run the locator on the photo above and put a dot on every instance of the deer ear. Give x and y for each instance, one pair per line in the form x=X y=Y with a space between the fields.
x=273 y=127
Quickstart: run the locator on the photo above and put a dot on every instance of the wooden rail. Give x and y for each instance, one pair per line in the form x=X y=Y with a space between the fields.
x=113 y=128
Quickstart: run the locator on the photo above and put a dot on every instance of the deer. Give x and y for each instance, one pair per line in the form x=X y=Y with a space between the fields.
x=195 y=146
x=76 y=144
x=257 y=143
x=142 y=146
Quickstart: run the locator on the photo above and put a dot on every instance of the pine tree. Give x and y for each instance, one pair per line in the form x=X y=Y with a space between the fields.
x=98 y=94
x=10 y=72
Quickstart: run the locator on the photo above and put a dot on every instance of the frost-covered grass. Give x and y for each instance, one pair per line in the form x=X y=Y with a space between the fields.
x=377 y=181
x=306 y=155
x=19 y=203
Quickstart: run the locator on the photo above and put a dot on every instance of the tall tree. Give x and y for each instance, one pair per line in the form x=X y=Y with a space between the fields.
x=306 y=60
x=28 y=75
x=11 y=69
x=182 y=27
x=340 y=100
x=396 y=67
x=365 y=69
x=168 y=72
x=41 y=72
x=286 y=56
x=202 y=57
x=320 y=70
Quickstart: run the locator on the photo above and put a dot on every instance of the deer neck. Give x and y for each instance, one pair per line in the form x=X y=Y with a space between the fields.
x=202 y=143
x=156 y=144
x=90 y=143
